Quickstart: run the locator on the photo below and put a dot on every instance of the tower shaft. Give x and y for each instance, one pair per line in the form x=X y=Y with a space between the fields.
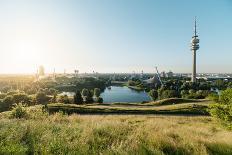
x=194 y=48
x=194 y=67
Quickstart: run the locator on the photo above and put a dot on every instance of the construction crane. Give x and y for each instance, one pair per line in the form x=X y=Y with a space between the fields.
x=159 y=75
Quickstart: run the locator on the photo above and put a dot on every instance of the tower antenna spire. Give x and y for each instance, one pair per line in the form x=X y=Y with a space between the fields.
x=195 y=26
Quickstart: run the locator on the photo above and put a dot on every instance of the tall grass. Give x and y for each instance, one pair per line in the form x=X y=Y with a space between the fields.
x=41 y=133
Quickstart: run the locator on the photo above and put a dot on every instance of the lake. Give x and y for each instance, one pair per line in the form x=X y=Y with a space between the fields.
x=123 y=94
x=120 y=94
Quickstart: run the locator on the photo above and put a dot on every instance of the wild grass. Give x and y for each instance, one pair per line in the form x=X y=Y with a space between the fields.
x=41 y=133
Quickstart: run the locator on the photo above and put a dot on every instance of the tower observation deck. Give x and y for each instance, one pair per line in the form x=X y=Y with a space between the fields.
x=194 y=48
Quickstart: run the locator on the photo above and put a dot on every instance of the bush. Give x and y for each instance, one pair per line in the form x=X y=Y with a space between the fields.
x=223 y=109
x=7 y=103
x=19 y=111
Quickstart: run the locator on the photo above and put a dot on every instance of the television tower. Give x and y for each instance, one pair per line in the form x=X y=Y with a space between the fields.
x=194 y=48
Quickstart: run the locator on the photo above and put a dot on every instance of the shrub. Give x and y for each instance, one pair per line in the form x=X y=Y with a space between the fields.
x=19 y=111
x=223 y=109
x=7 y=103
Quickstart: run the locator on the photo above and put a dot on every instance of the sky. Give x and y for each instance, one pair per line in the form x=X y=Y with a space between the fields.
x=108 y=36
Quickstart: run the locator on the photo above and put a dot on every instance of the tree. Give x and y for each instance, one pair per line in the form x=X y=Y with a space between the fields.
x=41 y=98
x=84 y=92
x=168 y=94
x=64 y=99
x=184 y=93
x=87 y=96
x=78 y=98
x=154 y=94
x=99 y=100
x=223 y=109
x=192 y=91
x=97 y=92
x=7 y=103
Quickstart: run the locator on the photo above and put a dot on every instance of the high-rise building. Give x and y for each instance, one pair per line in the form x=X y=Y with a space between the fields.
x=194 y=48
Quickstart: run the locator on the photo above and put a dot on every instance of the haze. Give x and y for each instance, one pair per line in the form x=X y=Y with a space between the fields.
x=114 y=36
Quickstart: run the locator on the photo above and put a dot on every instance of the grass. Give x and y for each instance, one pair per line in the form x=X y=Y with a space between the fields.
x=193 y=107
x=169 y=101
x=41 y=133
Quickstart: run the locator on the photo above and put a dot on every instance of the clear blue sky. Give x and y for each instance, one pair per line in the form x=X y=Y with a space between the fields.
x=114 y=35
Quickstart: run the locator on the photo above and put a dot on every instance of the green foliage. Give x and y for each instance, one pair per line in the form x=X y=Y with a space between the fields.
x=41 y=98
x=99 y=100
x=192 y=94
x=220 y=84
x=213 y=96
x=154 y=94
x=7 y=103
x=134 y=82
x=2 y=95
x=64 y=99
x=21 y=98
x=223 y=109
x=226 y=97
x=87 y=96
x=85 y=92
x=78 y=98
x=97 y=92
x=167 y=94
x=19 y=111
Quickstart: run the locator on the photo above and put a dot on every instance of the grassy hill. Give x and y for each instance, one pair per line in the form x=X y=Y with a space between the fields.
x=57 y=133
x=167 y=106
x=41 y=133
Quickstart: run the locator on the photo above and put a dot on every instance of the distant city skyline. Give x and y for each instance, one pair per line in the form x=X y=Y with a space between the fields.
x=110 y=36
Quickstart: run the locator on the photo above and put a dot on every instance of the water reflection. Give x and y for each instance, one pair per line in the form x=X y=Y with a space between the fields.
x=123 y=94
